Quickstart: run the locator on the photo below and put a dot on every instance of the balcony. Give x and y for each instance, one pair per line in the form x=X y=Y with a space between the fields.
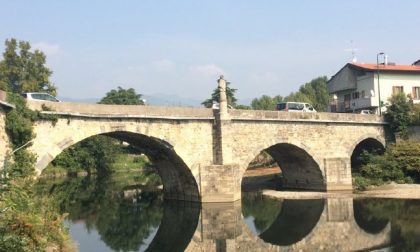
x=354 y=104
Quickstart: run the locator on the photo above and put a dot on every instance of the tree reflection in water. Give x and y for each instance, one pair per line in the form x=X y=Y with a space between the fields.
x=122 y=222
x=404 y=215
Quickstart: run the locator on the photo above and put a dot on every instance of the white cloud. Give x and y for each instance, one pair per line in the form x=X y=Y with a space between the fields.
x=206 y=70
x=48 y=49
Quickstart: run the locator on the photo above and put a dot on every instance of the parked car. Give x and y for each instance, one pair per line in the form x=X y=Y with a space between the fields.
x=366 y=112
x=295 y=107
x=40 y=96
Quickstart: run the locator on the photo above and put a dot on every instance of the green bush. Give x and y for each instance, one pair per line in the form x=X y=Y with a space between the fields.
x=415 y=115
x=27 y=223
x=360 y=183
x=399 y=114
x=400 y=163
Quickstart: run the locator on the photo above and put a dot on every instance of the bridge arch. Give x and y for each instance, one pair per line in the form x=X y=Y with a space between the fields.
x=178 y=180
x=370 y=143
x=299 y=166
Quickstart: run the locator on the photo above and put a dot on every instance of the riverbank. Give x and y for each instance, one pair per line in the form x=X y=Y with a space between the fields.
x=392 y=190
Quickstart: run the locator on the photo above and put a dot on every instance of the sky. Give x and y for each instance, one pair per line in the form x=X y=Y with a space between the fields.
x=179 y=48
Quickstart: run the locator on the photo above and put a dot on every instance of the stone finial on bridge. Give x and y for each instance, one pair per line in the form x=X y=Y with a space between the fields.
x=222 y=98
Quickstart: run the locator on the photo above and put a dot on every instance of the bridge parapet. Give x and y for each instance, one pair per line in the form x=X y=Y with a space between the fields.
x=106 y=110
x=296 y=116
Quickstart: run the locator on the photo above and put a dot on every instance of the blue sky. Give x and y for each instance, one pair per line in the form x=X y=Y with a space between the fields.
x=180 y=47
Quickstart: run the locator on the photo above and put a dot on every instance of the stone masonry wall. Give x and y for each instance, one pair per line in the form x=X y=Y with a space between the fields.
x=326 y=138
x=329 y=144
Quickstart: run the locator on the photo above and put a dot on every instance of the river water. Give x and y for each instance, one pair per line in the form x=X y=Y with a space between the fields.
x=107 y=214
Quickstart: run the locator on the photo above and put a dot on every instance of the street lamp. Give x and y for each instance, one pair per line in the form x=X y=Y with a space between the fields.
x=379 y=88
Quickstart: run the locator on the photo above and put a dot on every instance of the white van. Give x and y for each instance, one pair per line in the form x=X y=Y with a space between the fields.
x=40 y=96
x=295 y=107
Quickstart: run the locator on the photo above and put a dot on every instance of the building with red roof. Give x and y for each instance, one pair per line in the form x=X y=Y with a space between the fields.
x=360 y=86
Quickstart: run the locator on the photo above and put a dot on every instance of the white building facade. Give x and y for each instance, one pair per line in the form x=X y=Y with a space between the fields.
x=357 y=87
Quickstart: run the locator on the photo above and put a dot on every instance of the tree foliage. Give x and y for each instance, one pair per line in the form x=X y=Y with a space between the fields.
x=27 y=223
x=415 y=115
x=23 y=70
x=400 y=163
x=215 y=96
x=399 y=114
x=122 y=96
x=95 y=153
x=266 y=102
x=123 y=224
x=314 y=92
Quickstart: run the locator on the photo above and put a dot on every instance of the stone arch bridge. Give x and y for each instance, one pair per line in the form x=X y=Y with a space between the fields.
x=202 y=154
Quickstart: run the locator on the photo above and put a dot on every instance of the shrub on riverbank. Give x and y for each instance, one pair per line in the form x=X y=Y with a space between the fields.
x=400 y=163
x=27 y=223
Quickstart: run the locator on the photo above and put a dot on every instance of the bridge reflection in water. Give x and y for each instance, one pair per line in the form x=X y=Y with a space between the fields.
x=287 y=225
x=132 y=220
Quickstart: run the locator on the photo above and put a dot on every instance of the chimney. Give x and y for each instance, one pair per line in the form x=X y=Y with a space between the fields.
x=386 y=59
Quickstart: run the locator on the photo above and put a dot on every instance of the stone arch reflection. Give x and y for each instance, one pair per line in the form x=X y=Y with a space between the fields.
x=367 y=214
x=281 y=222
x=295 y=221
x=177 y=227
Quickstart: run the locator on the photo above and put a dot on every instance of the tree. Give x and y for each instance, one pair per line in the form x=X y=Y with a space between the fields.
x=399 y=114
x=122 y=97
x=266 y=102
x=314 y=92
x=244 y=107
x=215 y=96
x=22 y=70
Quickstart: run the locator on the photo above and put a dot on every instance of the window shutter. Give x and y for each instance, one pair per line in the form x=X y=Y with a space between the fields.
x=413 y=93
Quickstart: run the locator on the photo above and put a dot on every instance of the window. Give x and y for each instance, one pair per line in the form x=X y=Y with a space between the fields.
x=397 y=89
x=355 y=95
x=416 y=93
x=362 y=94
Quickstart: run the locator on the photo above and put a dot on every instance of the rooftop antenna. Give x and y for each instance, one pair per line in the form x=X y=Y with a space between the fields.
x=353 y=52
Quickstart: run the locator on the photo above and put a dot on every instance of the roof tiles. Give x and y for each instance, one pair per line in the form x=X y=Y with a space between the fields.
x=382 y=67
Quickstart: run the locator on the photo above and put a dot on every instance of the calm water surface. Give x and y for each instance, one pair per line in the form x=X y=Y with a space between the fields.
x=109 y=215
